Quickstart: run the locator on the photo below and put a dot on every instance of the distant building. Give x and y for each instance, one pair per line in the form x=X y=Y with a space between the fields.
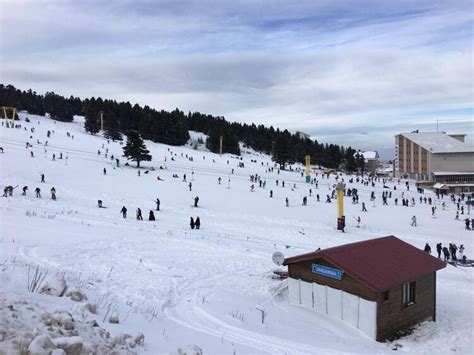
x=435 y=156
x=371 y=159
x=302 y=135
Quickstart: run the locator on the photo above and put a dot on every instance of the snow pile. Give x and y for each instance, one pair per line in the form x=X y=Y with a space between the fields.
x=27 y=326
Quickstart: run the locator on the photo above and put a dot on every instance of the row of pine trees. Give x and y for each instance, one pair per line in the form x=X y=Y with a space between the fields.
x=172 y=127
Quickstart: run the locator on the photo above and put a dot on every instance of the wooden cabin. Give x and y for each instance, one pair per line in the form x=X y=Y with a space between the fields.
x=379 y=286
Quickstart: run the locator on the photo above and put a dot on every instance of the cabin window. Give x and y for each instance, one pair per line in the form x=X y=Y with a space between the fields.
x=385 y=296
x=409 y=294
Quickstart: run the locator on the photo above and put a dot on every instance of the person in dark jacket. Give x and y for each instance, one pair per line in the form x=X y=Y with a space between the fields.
x=439 y=248
x=123 y=211
x=158 y=204
x=191 y=222
x=446 y=254
x=198 y=223
x=25 y=188
x=139 y=215
x=196 y=200
x=151 y=216
x=427 y=248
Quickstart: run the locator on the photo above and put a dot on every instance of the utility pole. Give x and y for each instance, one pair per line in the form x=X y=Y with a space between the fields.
x=220 y=145
x=101 y=120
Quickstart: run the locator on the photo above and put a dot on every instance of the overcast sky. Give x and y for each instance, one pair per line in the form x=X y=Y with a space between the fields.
x=347 y=72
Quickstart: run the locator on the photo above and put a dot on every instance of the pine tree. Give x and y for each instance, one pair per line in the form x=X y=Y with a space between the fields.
x=91 y=123
x=111 y=126
x=135 y=149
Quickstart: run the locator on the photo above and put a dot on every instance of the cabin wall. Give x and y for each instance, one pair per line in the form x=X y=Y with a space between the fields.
x=393 y=316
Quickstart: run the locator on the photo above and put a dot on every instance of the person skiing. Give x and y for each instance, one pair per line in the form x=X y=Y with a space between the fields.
x=439 y=248
x=457 y=216
x=461 y=252
x=467 y=221
x=139 y=215
x=287 y=202
x=99 y=203
x=317 y=197
x=191 y=222
x=105 y=171
x=363 y=207
x=198 y=223
x=42 y=178
x=25 y=188
x=53 y=193
x=413 y=221
x=38 y=192
x=190 y=186
x=123 y=211
x=358 y=221
x=196 y=200
x=151 y=216
x=184 y=178
x=427 y=248
x=446 y=254
x=305 y=201
x=157 y=204
x=271 y=193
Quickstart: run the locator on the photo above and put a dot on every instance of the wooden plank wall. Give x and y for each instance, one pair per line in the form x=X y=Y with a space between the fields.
x=392 y=316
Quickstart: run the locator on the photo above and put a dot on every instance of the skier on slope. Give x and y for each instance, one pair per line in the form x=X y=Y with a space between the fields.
x=413 y=221
x=139 y=215
x=287 y=201
x=38 y=192
x=53 y=193
x=198 y=223
x=42 y=178
x=191 y=222
x=151 y=216
x=157 y=204
x=363 y=207
x=427 y=248
x=196 y=200
x=123 y=211
x=25 y=188
x=305 y=201
x=439 y=248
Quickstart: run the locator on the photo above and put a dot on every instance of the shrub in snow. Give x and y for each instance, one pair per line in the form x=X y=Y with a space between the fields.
x=53 y=286
x=139 y=339
x=76 y=295
x=114 y=318
x=71 y=345
x=189 y=350
x=40 y=345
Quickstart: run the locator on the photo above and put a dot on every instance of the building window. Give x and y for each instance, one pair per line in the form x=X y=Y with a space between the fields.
x=409 y=294
x=385 y=296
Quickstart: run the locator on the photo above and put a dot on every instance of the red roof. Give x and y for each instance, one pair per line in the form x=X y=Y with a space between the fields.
x=379 y=263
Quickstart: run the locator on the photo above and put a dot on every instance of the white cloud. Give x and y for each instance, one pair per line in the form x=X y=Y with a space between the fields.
x=316 y=67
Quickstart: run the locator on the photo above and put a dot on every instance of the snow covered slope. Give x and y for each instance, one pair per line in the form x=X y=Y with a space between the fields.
x=193 y=289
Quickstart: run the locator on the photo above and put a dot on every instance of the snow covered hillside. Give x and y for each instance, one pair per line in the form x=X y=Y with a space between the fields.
x=75 y=276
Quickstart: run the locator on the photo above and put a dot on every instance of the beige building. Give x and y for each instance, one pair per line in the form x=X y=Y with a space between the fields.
x=434 y=156
x=302 y=135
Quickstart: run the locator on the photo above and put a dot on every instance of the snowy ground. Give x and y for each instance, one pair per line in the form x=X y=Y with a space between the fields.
x=193 y=289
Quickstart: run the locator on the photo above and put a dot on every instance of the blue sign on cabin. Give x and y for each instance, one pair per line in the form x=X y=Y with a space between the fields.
x=327 y=271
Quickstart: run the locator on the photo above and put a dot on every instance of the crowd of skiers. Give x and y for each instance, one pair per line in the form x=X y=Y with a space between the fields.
x=8 y=190
x=450 y=253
